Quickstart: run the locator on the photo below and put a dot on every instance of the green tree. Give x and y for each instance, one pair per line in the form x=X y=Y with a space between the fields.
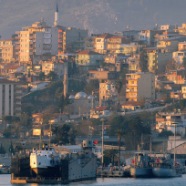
x=41 y=76
x=52 y=76
x=64 y=134
x=2 y=149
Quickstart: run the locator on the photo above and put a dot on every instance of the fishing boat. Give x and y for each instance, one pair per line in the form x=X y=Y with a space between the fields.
x=140 y=166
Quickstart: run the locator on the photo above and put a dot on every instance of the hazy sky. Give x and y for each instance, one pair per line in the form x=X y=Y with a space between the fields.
x=95 y=15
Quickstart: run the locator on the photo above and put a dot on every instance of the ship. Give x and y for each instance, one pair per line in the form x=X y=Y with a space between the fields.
x=141 y=166
x=4 y=169
x=45 y=161
x=163 y=167
x=49 y=166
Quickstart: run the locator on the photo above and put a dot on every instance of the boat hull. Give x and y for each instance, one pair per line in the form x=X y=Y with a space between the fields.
x=139 y=172
x=46 y=172
x=164 y=172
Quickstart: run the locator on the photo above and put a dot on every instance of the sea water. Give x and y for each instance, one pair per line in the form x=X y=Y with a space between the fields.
x=179 y=181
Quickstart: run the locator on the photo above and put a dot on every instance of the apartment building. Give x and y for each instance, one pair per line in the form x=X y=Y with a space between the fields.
x=102 y=74
x=71 y=39
x=183 y=91
x=169 y=45
x=10 y=98
x=128 y=49
x=50 y=66
x=6 y=51
x=179 y=56
x=176 y=76
x=140 y=86
x=171 y=120
x=182 y=46
x=100 y=43
x=114 y=43
x=146 y=36
x=107 y=91
x=36 y=40
x=157 y=59
x=88 y=58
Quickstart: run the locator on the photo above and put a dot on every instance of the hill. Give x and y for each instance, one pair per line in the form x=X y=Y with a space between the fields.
x=94 y=15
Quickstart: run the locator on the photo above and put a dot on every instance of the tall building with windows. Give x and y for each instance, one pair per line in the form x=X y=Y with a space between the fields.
x=140 y=86
x=37 y=40
x=10 y=98
x=6 y=51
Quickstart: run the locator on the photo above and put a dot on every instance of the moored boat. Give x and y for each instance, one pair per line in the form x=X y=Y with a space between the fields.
x=141 y=166
x=44 y=162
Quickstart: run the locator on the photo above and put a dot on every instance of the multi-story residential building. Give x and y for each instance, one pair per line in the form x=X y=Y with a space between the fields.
x=182 y=29
x=107 y=91
x=176 y=76
x=182 y=46
x=167 y=27
x=134 y=63
x=115 y=58
x=140 y=86
x=102 y=74
x=179 y=56
x=128 y=49
x=157 y=59
x=171 y=120
x=169 y=45
x=71 y=39
x=6 y=51
x=10 y=98
x=100 y=43
x=88 y=58
x=51 y=66
x=37 y=40
x=146 y=36
x=114 y=43
x=183 y=91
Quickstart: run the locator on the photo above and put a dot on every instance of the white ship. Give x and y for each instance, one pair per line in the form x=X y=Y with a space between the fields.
x=44 y=161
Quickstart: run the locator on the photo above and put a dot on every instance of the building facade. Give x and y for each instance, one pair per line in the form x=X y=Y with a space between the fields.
x=10 y=98
x=6 y=51
x=140 y=86
x=37 y=40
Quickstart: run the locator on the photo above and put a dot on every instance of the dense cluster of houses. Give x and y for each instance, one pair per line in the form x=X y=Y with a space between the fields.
x=150 y=66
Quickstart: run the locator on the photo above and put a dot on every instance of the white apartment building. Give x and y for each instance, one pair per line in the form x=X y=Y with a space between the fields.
x=10 y=98
x=37 y=40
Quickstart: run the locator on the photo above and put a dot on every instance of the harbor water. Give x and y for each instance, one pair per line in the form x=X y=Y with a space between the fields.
x=179 y=181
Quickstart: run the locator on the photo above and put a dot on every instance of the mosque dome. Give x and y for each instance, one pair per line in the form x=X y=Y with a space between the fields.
x=90 y=97
x=71 y=97
x=80 y=95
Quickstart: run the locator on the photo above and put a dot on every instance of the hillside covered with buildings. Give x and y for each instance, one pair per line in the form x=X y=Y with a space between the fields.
x=60 y=76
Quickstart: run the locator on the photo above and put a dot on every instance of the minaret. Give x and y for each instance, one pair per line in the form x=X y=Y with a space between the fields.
x=56 y=15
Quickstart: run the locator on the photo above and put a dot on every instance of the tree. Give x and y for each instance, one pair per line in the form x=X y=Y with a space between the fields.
x=41 y=76
x=52 y=76
x=64 y=134
x=2 y=149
